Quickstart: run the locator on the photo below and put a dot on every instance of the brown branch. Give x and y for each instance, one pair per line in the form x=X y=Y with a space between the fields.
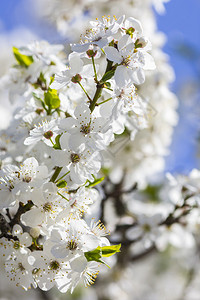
x=21 y=210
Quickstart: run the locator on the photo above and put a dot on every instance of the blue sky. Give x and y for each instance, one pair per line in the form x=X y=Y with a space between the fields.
x=181 y=24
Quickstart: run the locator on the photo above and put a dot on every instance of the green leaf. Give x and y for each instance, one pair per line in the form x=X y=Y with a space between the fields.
x=95 y=182
x=109 y=250
x=99 y=252
x=61 y=184
x=23 y=60
x=51 y=99
x=57 y=142
x=108 y=75
x=94 y=255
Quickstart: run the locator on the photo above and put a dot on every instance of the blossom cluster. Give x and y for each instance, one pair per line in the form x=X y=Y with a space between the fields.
x=75 y=14
x=53 y=151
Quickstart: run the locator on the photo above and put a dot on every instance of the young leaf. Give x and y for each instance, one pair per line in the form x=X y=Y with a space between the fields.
x=23 y=60
x=51 y=99
x=99 y=252
x=94 y=255
x=108 y=75
x=110 y=250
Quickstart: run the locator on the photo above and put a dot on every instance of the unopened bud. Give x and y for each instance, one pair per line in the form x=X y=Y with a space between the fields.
x=48 y=135
x=75 y=158
x=77 y=78
x=35 y=232
x=91 y=53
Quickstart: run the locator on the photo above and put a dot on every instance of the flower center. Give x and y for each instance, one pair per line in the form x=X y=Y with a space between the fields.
x=27 y=179
x=85 y=129
x=126 y=61
x=72 y=245
x=130 y=31
x=146 y=227
x=54 y=265
x=47 y=207
x=75 y=158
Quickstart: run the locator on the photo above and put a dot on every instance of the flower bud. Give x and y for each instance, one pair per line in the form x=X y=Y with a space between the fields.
x=91 y=53
x=77 y=78
x=35 y=232
x=48 y=135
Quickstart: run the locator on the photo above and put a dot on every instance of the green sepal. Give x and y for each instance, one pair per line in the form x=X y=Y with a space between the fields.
x=57 y=142
x=61 y=184
x=23 y=60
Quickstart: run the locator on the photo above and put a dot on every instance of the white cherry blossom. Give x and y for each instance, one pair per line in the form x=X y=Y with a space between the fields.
x=85 y=129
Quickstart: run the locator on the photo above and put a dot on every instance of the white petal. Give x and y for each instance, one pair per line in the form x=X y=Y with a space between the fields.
x=61 y=80
x=79 y=264
x=17 y=230
x=83 y=113
x=69 y=124
x=64 y=140
x=90 y=241
x=137 y=76
x=33 y=217
x=80 y=47
x=75 y=63
x=113 y=55
x=61 y=158
x=135 y=24
x=75 y=141
x=121 y=76
x=123 y=41
x=59 y=251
